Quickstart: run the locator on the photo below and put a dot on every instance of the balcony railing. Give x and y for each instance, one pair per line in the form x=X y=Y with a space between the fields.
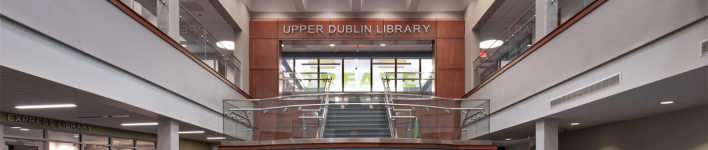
x=356 y=115
x=194 y=37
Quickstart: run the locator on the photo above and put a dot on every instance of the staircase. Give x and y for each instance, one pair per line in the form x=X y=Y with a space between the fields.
x=357 y=121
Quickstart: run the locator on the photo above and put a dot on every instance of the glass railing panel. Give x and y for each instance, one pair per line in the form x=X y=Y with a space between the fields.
x=568 y=8
x=515 y=40
x=374 y=115
x=237 y=124
x=475 y=124
x=148 y=9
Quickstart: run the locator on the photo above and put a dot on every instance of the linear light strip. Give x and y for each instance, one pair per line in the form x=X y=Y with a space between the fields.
x=44 y=106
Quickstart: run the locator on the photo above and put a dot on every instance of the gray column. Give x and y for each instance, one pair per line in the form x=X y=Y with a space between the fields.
x=546 y=18
x=167 y=134
x=2 y=139
x=546 y=134
x=168 y=17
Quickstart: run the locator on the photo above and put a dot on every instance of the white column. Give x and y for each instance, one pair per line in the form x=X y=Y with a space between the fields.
x=167 y=134
x=546 y=135
x=168 y=17
x=546 y=17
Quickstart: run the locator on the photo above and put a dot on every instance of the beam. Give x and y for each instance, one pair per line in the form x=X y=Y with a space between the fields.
x=413 y=5
x=299 y=5
x=356 y=5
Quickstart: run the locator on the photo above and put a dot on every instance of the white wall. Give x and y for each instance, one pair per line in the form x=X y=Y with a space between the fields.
x=239 y=12
x=473 y=13
x=100 y=29
x=609 y=31
x=679 y=130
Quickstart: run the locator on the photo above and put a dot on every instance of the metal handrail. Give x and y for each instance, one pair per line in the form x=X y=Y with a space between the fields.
x=190 y=14
x=365 y=93
x=512 y=36
x=330 y=104
x=507 y=29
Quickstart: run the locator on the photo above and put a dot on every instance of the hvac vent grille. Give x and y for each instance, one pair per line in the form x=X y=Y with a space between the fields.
x=704 y=48
x=597 y=86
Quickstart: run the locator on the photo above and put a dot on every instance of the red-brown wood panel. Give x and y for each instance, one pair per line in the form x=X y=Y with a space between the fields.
x=430 y=33
x=263 y=83
x=340 y=25
x=284 y=133
x=454 y=81
x=451 y=28
x=445 y=120
x=450 y=54
x=285 y=118
x=270 y=119
x=426 y=118
x=263 y=28
x=268 y=134
x=427 y=133
x=309 y=24
x=264 y=54
x=444 y=133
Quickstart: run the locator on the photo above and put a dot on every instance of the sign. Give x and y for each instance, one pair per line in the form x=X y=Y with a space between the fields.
x=417 y=28
x=47 y=122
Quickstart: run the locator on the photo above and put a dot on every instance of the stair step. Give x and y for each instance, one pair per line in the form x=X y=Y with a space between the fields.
x=355 y=116
x=384 y=125
x=359 y=120
x=356 y=129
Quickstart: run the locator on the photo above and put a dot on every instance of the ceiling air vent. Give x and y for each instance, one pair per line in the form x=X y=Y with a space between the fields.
x=704 y=48
x=597 y=86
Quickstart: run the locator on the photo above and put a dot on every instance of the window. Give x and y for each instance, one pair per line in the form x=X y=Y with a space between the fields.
x=63 y=136
x=145 y=144
x=407 y=68
x=95 y=147
x=333 y=69
x=122 y=142
x=381 y=67
x=23 y=132
x=357 y=75
x=63 y=146
x=89 y=139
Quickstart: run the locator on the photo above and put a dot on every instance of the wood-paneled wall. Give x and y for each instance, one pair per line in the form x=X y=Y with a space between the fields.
x=448 y=58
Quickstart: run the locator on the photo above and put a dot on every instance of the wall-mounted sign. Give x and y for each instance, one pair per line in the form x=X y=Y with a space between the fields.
x=356 y=29
x=47 y=122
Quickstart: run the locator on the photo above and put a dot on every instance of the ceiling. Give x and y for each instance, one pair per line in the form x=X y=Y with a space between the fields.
x=687 y=90
x=355 y=5
x=357 y=46
x=18 y=88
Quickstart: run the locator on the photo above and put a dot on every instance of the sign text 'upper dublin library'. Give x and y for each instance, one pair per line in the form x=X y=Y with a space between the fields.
x=356 y=28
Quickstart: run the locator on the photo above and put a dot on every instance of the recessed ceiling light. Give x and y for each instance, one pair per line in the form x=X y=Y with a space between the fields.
x=184 y=45
x=490 y=44
x=226 y=44
x=508 y=139
x=189 y=132
x=24 y=129
x=574 y=124
x=44 y=106
x=15 y=127
x=139 y=124
x=331 y=45
x=215 y=138
x=383 y=44
x=667 y=102
x=281 y=45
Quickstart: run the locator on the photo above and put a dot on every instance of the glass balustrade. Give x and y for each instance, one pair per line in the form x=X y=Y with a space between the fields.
x=356 y=115
x=194 y=37
x=518 y=38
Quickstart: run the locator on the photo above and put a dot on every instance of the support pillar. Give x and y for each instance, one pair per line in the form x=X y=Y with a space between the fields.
x=2 y=139
x=167 y=134
x=546 y=18
x=546 y=135
x=168 y=17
